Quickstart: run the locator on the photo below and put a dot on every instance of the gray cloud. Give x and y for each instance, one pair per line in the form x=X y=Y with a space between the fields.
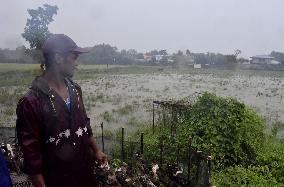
x=254 y=26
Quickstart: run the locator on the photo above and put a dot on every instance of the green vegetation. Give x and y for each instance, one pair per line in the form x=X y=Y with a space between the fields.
x=36 y=30
x=125 y=110
x=17 y=74
x=8 y=102
x=277 y=127
x=234 y=131
x=133 y=121
x=107 y=116
x=12 y=74
x=241 y=176
x=243 y=155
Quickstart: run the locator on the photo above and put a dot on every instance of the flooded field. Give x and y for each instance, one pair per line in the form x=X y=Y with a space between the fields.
x=121 y=97
x=126 y=100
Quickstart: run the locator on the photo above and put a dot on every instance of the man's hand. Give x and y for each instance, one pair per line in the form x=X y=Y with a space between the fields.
x=101 y=157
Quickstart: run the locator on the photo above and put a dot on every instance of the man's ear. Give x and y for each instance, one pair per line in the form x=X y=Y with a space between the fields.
x=58 y=58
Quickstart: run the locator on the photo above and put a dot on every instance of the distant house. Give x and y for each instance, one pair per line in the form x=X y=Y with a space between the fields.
x=263 y=59
x=159 y=57
x=147 y=58
x=196 y=66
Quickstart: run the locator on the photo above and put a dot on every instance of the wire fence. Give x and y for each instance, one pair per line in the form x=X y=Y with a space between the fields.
x=194 y=164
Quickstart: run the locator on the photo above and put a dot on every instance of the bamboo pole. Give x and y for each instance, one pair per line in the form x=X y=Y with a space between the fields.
x=103 y=142
x=122 y=145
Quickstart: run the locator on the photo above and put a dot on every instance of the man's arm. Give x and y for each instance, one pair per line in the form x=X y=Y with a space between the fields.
x=102 y=158
x=28 y=134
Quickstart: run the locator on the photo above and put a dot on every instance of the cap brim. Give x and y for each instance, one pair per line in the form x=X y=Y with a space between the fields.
x=80 y=50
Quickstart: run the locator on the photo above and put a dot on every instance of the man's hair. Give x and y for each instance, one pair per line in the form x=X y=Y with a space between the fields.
x=49 y=59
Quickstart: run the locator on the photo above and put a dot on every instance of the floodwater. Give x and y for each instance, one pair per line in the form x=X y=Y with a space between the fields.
x=125 y=100
x=263 y=94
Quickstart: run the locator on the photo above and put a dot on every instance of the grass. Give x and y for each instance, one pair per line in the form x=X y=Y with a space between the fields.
x=9 y=98
x=107 y=116
x=125 y=110
x=23 y=74
x=277 y=127
x=18 y=67
x=133 y=121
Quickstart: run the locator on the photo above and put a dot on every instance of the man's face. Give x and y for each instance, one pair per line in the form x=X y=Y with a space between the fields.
x=68 y=64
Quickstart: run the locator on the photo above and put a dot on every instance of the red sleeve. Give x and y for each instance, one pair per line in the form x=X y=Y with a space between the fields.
x=28 y=134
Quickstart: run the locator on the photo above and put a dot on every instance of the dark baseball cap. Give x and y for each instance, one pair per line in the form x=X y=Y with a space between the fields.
x=60 y=43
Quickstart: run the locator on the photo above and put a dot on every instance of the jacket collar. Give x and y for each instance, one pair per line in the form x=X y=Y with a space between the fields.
x=39 y=83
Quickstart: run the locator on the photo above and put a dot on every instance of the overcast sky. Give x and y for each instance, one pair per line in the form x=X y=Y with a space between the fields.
x=253 y=26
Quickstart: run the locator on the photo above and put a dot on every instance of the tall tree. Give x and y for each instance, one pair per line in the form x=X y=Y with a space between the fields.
x=163 y=52
x=36 y=30
x=187 y=52
x=279 y=56
x=237 y=52
x=180 y=53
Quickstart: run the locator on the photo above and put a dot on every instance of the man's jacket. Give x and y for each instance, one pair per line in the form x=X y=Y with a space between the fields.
x=52 y=138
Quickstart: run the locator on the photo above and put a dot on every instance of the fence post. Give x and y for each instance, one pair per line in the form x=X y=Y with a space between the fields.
x=153 y=118
x=172 y=120
x=103 y=142
x=161 y=150
x=209 y=164
x=122 y=145
x=178 y=153
x=189 y=160
x=164 y=118
x=142 y=143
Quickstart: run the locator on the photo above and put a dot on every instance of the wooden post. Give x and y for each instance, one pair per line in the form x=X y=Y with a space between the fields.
x=172 y=120
x=122 y=145
x=161 y=150
x=164 y=117
x=209 y=164
x=142 y=143
x=178 y=154
x=103 y=142
x=175 y=121
x=189 y=159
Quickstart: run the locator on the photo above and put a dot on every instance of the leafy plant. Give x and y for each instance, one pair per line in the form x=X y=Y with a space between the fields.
x=241 y=176
x=272 y=156
x=232 y=130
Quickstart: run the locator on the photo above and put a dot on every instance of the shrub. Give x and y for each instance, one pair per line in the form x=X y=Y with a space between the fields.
x=234 y=131
x=241 y=176
x=272 y=156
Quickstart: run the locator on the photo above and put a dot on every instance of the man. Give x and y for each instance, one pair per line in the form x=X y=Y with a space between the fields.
x=53 y=129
